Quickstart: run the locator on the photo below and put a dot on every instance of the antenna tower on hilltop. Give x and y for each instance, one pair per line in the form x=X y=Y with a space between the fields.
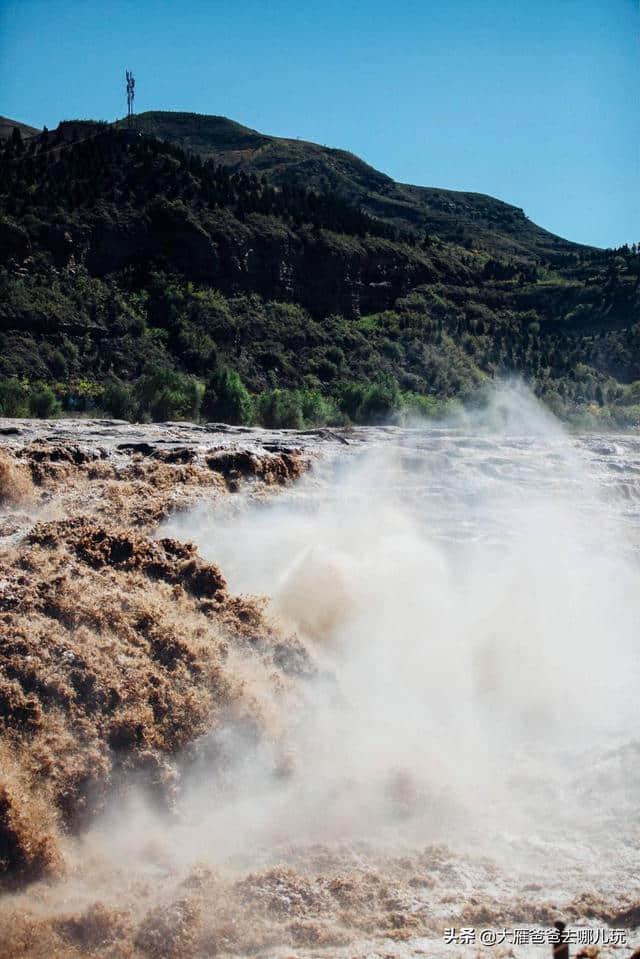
x=131 y=92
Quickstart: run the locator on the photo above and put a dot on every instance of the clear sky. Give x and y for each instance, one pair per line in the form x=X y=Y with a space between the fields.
x=536 y=102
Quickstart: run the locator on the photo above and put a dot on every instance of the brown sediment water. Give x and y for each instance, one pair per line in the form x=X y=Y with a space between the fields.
x=278 y=695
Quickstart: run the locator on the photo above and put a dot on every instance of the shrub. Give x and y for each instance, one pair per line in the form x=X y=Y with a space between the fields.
x=118 y=400
x=370 y=402
x=280 y=409
x=318 y=410
x=14 y=397
x=271 y=359
x=226 y=398
x=296 y=409
x=626 y=417
x=326 y=370
x=43 y=402
x=196 y=349
x=394 y=351
x=58 y=364
x=168 y=395
x=335 y=354
x=430 y=407
x=416 y=405
x=81 y=395
x=629 y=396
x=351 y=399
x=379 y=402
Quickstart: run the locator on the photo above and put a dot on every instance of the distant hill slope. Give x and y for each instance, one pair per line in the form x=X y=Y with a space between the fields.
x=471 y=218
x=138 y=278
x=7 y=127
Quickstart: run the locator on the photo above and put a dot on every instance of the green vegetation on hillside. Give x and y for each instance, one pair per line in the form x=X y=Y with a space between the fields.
x=472 y=219
x=139 y=280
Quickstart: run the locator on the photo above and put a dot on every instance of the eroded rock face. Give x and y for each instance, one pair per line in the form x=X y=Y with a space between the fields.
x=323 y=273
x=280 y=467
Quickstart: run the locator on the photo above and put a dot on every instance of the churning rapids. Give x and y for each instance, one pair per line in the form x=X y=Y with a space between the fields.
x=454 y=741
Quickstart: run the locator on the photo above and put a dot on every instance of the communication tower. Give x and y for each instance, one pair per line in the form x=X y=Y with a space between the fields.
x=131 y=92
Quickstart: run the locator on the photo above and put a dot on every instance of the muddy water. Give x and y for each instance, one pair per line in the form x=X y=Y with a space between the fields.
x=465 y=751
x=500 y=571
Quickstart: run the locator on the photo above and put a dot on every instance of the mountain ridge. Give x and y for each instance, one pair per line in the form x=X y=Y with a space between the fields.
x=134 y=275
x=8 y=125
x=454 y=215
x=460 y=216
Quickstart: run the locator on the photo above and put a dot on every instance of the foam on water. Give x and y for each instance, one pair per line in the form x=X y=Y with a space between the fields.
x=472 y=595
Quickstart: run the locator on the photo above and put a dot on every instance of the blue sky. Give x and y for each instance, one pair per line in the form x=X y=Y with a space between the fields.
x=532 y=101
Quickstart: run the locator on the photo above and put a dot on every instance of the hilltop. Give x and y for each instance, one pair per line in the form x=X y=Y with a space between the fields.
x=201 y=268
x=7 y=127
x=461 y=217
